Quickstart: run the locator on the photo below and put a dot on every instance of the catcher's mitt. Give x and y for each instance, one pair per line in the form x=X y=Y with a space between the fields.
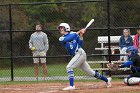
x=112 y=66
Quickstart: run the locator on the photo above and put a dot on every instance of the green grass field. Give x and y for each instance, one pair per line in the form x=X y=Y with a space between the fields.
x=53 y=70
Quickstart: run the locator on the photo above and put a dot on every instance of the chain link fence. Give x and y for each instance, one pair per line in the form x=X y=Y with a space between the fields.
x=18 y=23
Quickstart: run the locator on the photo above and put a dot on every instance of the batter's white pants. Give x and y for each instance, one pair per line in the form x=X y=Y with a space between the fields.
x=79 y=60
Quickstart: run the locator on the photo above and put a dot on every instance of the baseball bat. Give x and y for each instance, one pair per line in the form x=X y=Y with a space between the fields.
x=89 y=23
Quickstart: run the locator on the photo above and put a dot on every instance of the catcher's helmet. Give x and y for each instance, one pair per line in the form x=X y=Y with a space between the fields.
x=65 y=25
x=133 y=50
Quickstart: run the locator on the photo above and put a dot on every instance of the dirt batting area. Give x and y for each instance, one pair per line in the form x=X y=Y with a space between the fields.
x=82 y=87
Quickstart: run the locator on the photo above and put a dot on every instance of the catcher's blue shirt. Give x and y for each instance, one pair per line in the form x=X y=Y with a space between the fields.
x=72 y=42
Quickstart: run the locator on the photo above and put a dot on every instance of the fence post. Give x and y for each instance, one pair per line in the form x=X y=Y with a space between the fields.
x=11 y=40
x=108 y=27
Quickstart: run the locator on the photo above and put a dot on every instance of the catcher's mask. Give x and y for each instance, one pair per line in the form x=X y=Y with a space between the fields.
x=133 y=51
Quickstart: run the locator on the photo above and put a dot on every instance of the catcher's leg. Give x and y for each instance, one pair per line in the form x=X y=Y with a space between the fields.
x=133 y=79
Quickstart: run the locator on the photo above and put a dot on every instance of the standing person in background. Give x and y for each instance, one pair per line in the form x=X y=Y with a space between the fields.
x=125 y=41
x=73 y=42
x=137 y=40
x=39 y=46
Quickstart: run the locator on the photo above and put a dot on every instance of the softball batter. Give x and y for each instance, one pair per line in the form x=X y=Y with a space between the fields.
x=73 y=42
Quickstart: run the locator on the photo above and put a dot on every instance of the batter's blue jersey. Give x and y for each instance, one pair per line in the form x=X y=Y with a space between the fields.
x=72 y=42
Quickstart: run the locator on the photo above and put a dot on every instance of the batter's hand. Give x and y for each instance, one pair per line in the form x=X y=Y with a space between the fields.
x=82 y=32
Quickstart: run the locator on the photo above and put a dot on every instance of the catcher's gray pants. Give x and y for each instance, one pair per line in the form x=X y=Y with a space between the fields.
x=132 y=80
x=79 y=60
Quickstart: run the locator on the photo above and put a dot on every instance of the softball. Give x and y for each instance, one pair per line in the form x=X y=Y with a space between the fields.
x=33 y=48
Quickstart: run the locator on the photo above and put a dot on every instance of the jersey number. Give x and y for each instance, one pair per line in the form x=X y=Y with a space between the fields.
x=71 y=47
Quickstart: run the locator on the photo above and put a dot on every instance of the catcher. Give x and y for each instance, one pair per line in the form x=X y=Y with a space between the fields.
x=133 y=63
